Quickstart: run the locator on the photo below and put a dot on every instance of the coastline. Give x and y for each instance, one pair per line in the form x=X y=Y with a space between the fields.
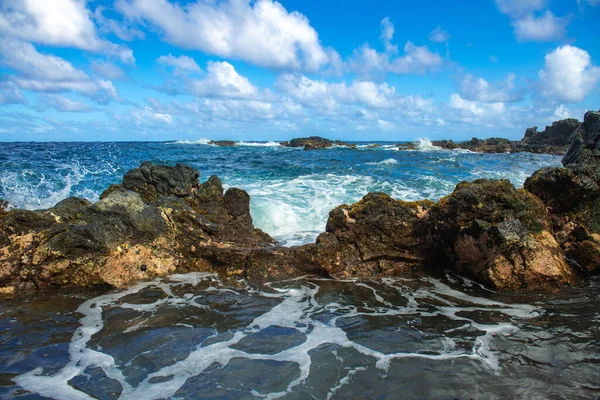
x=166 y=221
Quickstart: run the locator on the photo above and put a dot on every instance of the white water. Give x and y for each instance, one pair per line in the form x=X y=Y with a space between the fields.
x=298 y=309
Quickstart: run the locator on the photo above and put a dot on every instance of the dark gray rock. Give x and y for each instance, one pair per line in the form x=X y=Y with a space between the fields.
x=584 y=144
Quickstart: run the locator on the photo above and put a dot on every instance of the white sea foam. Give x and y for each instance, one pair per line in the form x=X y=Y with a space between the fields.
x=388 y=161
x=258 y=144
x=295 y=211
x=32 y=190
x=203 y=141
x=298 y=309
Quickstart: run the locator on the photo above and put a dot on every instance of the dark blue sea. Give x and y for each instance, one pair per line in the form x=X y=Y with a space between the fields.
x=193 y=337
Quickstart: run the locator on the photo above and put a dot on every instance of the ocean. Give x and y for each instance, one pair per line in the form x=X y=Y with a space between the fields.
x=193 y=337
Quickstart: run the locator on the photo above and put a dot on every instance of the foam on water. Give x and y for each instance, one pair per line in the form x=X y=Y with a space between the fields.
x=258 y=144
x=295 y=211
x=203 y=141
x=298 y=309
x=388 y=161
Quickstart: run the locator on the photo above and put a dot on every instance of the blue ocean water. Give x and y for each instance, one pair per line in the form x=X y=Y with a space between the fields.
x=292 y=191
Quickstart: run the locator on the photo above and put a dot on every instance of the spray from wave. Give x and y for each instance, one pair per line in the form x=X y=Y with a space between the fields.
x=424 y=144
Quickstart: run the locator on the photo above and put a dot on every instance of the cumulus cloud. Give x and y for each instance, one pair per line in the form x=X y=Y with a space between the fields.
x=438 y=35
x=368 y=63
x=49 y=73
x=63 y=23
x=568 y=74
x=261 y=32
x=61 y=103
x=183 y=63
x=529 y=25
x=222 y=80
x=478 y=89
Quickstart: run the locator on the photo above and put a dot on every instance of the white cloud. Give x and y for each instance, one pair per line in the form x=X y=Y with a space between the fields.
x=120 y=29
x=223 y=80
x=261 y=32
x=518 y=8
x=418 y=59
x=61 y=103
x=148 y=116
x=183 y=63
x=387 y=33
x=475 y=110
x=479 y=89
x=327 y=97
x=568 y=74
x=539 y=29
x=368 y=63
x=438 y=35
x=64 y=23
x=528 y=26
x=107 y=70
x=10 y=94
x=49 y=73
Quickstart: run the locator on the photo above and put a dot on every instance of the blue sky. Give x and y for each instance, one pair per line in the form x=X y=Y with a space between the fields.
x=268 y=70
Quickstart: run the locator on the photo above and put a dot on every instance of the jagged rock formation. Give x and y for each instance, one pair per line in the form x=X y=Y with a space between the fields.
x=315 y=142
x=572 y=194
x=159 y=220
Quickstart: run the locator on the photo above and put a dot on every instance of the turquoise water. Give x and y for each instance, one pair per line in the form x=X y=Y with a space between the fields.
x=192 y=337
x=292 y=191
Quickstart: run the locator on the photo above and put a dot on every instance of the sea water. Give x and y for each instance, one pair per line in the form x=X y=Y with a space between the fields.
x=292 y=191
x=193 y=337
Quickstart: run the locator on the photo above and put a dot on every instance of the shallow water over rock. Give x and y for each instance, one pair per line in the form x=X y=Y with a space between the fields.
x=191 y=336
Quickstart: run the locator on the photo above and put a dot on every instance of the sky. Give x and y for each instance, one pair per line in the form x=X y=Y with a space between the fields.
x=155 y=70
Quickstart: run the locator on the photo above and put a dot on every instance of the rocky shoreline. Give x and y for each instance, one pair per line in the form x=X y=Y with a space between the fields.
x=552 y=140
x=162 y=220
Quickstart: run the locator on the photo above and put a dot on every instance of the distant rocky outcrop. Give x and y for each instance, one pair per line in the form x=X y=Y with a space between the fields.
x=553 y=140
x=316 y=142
x=222 y=143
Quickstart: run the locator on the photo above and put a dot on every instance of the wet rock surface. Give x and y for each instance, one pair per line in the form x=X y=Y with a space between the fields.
x=572 y=195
